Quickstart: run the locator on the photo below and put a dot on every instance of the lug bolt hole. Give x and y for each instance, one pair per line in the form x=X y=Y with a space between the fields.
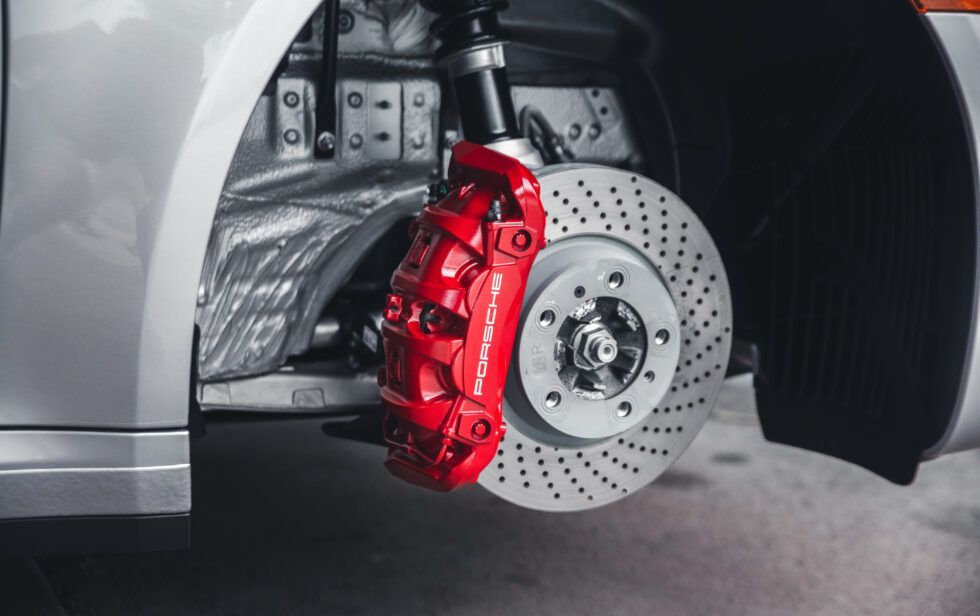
x=547 y=318
x=662 y=337
x=616 y=280
x=552 y=400
x=623 y=410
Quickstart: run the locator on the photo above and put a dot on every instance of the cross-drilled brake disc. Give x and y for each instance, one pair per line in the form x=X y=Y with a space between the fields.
x=623 y=344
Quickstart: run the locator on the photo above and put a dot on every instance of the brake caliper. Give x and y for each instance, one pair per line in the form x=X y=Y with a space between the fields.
x=451 y=319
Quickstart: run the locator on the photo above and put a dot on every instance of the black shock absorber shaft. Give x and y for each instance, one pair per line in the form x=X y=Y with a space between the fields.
x=472 y=52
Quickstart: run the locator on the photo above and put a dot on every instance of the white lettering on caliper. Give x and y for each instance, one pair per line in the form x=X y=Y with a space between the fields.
x=496 y=281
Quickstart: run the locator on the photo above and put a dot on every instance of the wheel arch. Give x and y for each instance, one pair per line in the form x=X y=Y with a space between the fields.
x=121 y=122
x=246 y=63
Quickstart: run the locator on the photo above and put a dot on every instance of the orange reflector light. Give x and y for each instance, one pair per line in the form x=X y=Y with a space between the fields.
x=946 y=6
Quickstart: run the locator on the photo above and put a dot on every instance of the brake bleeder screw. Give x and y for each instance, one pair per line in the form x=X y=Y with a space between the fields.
x=495 y=211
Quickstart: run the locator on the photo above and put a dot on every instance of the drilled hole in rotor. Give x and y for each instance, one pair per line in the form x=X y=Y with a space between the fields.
x=547 y=318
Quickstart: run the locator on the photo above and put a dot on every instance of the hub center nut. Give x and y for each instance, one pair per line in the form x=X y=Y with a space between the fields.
x=595 y=345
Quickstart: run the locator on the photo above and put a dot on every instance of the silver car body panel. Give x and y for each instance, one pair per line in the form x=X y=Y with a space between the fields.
x=59 y=449
x=61 y=473
x=122 y=118
x=958 y=35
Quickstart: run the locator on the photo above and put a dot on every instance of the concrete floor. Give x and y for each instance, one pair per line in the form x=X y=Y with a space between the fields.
x=288 y=521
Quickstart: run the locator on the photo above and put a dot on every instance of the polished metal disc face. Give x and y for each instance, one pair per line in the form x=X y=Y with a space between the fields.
x=623 y=344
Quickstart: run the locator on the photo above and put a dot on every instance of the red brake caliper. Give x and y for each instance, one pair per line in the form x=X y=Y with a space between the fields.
x=451 y=320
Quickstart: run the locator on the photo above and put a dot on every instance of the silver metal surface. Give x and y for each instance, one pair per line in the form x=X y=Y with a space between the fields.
x=390 y=26
x=603 y=349
x=591 y=121
x=63 y=473
x=108 y=199
x=521 y=149
x=106 y=218
x=958 y=36
x=656 y=224
x=475 y=60
x=325 y=141
x=321 y=390
x=95 y=492
x=27 y=450
x=594 y=345
x=290 y=228
x=384 y=120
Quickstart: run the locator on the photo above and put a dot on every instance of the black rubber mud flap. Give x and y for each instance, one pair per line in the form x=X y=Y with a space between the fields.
x=890 y=451
x=862 y=361
x=862 y=355
x=848 y=225
x=848 y=373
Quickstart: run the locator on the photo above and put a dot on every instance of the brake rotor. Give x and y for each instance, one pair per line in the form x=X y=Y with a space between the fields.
x=624 y=341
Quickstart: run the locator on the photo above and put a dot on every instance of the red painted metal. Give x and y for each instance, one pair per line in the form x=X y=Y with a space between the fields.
x=451 y=319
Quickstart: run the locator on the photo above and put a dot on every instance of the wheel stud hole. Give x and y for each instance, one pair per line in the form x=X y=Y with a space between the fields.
x=616 y=280
x=552 y=400
x=547 y=318
x=662 y=337
x=624 y=410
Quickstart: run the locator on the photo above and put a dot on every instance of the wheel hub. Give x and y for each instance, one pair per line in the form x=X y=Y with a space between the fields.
x=625 y=334
x=574 y=378
x=594 y=344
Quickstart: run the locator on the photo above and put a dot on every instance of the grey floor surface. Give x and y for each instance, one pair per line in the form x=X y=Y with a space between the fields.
x=287 y=521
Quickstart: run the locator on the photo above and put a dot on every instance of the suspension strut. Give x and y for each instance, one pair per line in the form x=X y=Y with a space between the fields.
x=456 y=297
x=472 y=52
